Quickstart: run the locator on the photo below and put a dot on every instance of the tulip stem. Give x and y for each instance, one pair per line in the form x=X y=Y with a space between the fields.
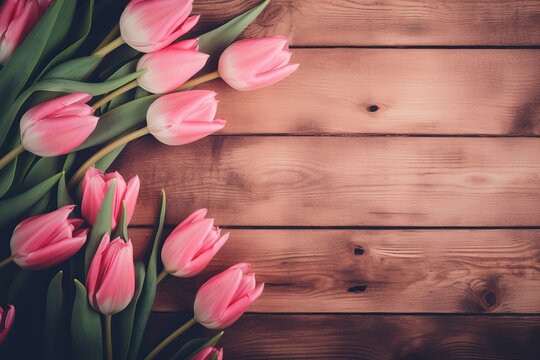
x=113 y=34
x=197 y=81
x=115 y=93
x=103 y=152
x=10 y=156
x=161 y=276
x=170 y=339
x=108 y=337
x=109 y=47
x=6 y=262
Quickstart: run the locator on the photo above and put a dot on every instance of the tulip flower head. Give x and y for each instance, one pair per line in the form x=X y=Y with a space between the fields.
x=111 y=276
x=17 y=18
x=183 y=117
x=6 y=322
x=58 y=126
x=150 y=25
x=95 y=185
x=170 y=67
x=254 y=63
x=45 y=240
x=191 y=245
x=226 y=296
x=208 y=353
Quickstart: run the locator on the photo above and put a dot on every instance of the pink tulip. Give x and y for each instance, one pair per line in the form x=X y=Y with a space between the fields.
x=170 y=67
x=7 y=320
x=111 y=276
x=95 y=185
x=207 y=354
x=254 y=63
x=45 y=240
x=191 y=245
x=58 y=126
x=183 y=117
x=17 y=18
x=150 y=25
x=226 y=296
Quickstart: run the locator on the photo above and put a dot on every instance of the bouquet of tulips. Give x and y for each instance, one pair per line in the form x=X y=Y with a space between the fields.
x=79 y=80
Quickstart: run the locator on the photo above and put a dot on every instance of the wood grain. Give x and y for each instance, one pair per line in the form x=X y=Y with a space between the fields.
x=390 y=23
x=394 y=91
x=341 y=181
x=461 y=271
x=373 y=337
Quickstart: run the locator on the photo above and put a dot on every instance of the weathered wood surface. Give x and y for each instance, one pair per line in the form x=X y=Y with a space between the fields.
x=341 y=181
x=394 y=91
x=390 y=23
x=374 y=337
x=460 y=271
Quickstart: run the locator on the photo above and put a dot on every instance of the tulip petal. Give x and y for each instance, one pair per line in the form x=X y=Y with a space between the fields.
x=237 y=309
x=188 y=132
x=94 y=271
x=93 y=190
x=194 y=217
x=131 y=195
x=52 y=254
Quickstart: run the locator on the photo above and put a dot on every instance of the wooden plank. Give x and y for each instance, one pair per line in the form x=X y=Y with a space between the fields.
x=464 y=271
x=392 y=22
x=367 y=337
x=341 y=181
x=394 y=91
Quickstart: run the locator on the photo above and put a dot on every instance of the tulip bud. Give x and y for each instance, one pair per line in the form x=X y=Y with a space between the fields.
x=45 y=240
x=150 y=25
x=58 y=126
x=191 y=245
x=226 y=296
x=208 y=353
x=95 y=185
x=254 y=63
x=183 y=117
x=170 y=67
x=7 y=320
x=17 y=18
x=111 y=276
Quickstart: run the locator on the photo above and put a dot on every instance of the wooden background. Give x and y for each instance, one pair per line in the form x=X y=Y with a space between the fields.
x=388 y=193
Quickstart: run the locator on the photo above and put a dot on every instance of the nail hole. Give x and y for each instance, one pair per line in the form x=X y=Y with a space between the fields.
x=358 y=251
x=357 y=289
x=372 y=108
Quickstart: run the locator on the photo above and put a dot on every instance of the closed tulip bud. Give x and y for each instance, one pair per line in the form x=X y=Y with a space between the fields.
x=17 y=18
x=111 y=276
x=58 y=126
x=254 y=63
x=45 y=240
x=170 y=67
x=6 y=322
x=191 y=245
x=226 y=296
x=95 y=185
x=183 y=117
x=208 y=353
x=150 y=25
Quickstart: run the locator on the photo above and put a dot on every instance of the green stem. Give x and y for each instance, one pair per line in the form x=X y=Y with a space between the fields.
x=161 y=276
x=197 y=81
x=113 y=34
x=108 y=337
x=121 y=90
x=109 y=47
x=103 y=152
x=6 y=262
x=10 y=156
x=170 y=339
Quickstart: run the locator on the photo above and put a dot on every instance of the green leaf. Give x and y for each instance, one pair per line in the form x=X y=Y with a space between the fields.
x=215 y=41
x=191 y=348
x=63 y=196
x=86 y=333
x=55 y=332
x=12 y=208
x=122 y=227
x=128 y=68
x=123 y=322
x=102 y=225
x=144 y=305
x=41 y=170
x=84 y=23
x=119 y=120
x=40 y=207
x=77 y=69
x=7 y=174
x=104 y=163
x=62 y=85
